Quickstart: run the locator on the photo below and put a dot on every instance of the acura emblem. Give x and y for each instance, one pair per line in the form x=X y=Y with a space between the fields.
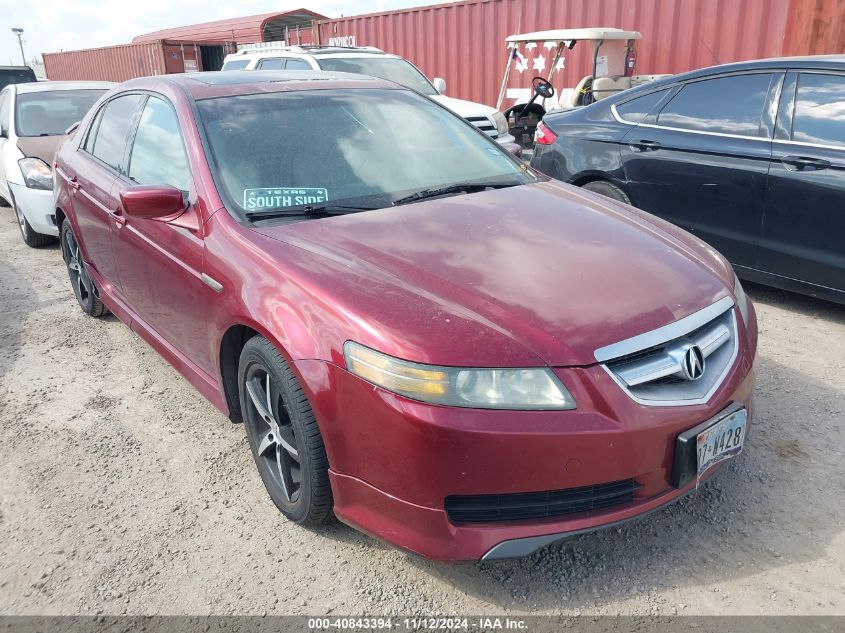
x=693 y=363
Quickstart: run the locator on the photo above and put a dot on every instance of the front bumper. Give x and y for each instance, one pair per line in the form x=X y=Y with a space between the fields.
x=394 y=461
x=37 y=207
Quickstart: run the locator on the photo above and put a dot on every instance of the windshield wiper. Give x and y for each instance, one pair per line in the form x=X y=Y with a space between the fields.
x=460 y=187
x=311 y=211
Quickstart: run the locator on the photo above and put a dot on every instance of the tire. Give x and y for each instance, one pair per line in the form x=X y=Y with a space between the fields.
x=285 y=440
x=30 y=237
x=608 y=189
x=86 y=293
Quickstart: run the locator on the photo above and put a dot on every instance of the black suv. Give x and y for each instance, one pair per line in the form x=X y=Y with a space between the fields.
x=750 y=157
x=15 y=75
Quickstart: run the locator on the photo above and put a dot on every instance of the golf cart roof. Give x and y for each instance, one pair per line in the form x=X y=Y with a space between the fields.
x=574 y=35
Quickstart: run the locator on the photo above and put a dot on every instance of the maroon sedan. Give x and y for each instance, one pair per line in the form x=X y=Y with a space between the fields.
x=422 y=336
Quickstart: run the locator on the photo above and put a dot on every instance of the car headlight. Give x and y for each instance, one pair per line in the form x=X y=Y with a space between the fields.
x=36 y=173
x=741 y=299
x=520 y=389
x=501 y=123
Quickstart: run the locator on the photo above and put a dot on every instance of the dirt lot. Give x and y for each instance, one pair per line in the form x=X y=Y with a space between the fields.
x=123 y=491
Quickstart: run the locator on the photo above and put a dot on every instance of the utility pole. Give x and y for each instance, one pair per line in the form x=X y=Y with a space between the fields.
x=19 y=33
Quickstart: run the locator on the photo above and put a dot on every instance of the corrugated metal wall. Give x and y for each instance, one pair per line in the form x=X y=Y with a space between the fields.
x=815 y=27
x=464 y=42
x=114 y=63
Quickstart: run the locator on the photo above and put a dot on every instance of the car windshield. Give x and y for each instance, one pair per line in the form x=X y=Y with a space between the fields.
x=359 y=147
x=390 y=68
x=51 y=113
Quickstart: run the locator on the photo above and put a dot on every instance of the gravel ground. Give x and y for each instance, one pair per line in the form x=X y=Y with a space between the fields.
x=123 y=491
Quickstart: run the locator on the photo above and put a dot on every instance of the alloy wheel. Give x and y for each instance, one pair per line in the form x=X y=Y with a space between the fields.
x=269 y=422
x=79 y=278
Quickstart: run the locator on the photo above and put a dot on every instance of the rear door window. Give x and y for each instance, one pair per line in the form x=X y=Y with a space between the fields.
x=158 y=153
x=271 y=63
x=236 y=64
x=112 y=132
x=297 y=64
x=820 y=110
x=635 y=110
x=726 y=105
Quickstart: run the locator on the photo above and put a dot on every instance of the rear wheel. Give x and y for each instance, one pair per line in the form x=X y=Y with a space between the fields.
x=84 y=289
x=607 y=189
x=283 y=435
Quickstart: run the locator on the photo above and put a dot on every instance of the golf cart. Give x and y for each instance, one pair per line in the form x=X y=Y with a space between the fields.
x=613 y=60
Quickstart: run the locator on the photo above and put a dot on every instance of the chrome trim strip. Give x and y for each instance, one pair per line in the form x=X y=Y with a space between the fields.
x=683 y=403
x=766 y=139
x=215 y=285
x=664 y=334
x=839 y=148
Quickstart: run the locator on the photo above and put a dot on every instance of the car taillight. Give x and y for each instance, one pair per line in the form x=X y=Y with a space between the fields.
x=544 y=135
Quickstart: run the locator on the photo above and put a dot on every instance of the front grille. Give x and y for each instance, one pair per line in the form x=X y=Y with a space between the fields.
x=650 y=367
x=538 y=505
x=484 y=124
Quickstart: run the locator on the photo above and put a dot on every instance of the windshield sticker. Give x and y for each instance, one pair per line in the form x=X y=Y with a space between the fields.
x=281 y=197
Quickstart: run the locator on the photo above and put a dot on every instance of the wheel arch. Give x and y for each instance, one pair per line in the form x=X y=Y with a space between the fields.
x=232 y=342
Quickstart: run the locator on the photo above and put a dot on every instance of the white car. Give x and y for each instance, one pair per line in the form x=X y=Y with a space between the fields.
x=366 y=60
x=33 y=120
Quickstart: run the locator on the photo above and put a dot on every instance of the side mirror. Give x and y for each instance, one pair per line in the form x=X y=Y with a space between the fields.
x=4 y=134
x=152 y=201
x=72 y=128
x=439 y=85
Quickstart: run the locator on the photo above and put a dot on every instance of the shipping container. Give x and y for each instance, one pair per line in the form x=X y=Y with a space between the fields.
x=464 y=42
x=119 y=63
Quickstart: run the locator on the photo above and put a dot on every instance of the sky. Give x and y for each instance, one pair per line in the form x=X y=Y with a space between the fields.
x=53 y=25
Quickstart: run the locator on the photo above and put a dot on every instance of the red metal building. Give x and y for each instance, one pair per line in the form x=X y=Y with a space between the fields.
x=292 y=26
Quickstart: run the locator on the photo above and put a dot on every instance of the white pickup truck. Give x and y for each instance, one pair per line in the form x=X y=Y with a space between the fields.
x=366 y=60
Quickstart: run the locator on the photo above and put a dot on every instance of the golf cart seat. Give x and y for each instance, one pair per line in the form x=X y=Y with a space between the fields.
x=581 y=90
x=607 y=86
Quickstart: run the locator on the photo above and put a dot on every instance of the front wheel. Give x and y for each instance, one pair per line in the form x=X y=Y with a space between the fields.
x=30 y=237
x=608 y=189
x=283 y=435
x=84 y=289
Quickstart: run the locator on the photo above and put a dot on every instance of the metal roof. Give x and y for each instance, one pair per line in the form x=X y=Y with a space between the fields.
x=575 y=35
x=243 y=30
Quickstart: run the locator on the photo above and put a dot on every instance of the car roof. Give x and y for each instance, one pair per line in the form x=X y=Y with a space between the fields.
x=49 y=86
x=807 y=62
x=208 y=85
x=313 y=51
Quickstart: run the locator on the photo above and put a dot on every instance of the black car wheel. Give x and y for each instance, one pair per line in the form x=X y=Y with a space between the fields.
x=30 y=237
x=83 y=287
x=607 y=189
x=283 y=434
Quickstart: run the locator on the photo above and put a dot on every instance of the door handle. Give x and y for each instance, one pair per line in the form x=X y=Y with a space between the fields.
x=118 y=217
x=804 y=163
x=74 y=184
x=645 y=146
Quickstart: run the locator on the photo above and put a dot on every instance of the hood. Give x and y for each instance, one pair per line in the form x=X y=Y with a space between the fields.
x=43 y=147
x=464 y=108
x=541 y=273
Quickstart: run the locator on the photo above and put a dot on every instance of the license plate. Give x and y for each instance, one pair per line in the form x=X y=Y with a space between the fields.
x=721 y=441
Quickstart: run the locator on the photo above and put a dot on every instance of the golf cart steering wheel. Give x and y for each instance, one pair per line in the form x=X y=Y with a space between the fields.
x=543 y=88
